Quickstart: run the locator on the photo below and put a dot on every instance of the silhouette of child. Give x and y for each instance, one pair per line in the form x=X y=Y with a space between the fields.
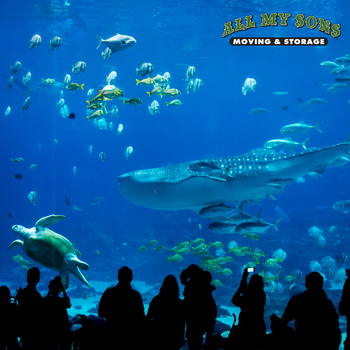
x=56 y=320
x=251 y=329
x=9 y=316
x=167 y=318
x=344 y=307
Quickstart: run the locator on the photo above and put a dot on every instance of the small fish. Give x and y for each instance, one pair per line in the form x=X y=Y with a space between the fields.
x=102 y=156
x=156 y=91
x=299 y=128
x=11 y=214
x=16 y=67
x=75 y=86
x=10 y=84
x=225 y=272
x=200 y=226
x=32 y=166
x=26 y=104
x=118 y=42
x=248 y=86
x=17 y=160
x=18 y=176
x=279 y=93
x=32 y=196
x=107 y=54
x=98 y=200
x=55 y=42
x=34 y=41
x=174 y=103
x=272 y=262
x=343 y=206
x=190 y=73
x=284 y=107
x=142 y=249
x=154 y=108
x=342 y=60
x=90 y=149
x=329 y=64
x=159 y=248
x=147 y=81
x=71 y=116
x=75 y=170
x=72 y=206
x=170 y=92
x=111 y=77
x=259 y=111
x=67 y=80
x=8 y=111
x=175 y=258
x=120 y=129
x=133 y=101
x=145 y=69
x=79 y=67
x=151 y=243
x=317 y=101
x=128 y=152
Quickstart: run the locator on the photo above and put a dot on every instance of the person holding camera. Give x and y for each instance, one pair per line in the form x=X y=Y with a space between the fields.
x=251 y=329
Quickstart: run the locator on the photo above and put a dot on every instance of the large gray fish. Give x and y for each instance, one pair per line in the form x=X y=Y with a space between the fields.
x=118 y=42
x=253 y=175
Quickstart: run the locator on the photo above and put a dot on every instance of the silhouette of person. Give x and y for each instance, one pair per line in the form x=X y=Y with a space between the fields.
x=200 y=307
x=9 y=316
x=251 y=329
x=30 y=311
x=57 y=328
x=316 y=320
x=344 y=308
x=166 y=317
x=123 y=309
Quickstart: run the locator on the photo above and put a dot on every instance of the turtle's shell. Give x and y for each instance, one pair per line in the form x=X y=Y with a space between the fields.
x=48 y=248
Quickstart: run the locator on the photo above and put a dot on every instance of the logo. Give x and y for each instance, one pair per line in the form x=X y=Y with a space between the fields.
x=311 y=22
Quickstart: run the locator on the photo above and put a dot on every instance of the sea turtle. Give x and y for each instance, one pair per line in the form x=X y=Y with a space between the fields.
x=50 y=249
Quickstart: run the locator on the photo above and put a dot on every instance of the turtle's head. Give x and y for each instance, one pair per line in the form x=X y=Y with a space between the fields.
x=20 y=230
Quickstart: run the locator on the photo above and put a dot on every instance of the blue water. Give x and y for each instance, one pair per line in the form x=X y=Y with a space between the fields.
x=212 y=122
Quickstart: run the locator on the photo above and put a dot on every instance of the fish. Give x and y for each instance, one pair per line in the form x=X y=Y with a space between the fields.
x=75 y=86
x=18 y=176
x=34 y=41
x=11 y=214
x=174 y=103
x=299 y=128
x=285 y=143
x=17 y=160
x=102 y=158
x=110 y=126
x=71 y=116
x=32 y=196
x=170 y=92
x=72 y=206
x=259 y=111
x=8 y=111
x=128 y=152
x=10 y=84
x=329 y=64
x=75 y=170
x=144 y=69
x=343 y=206
x=154 y=108
x=107 y=54
x=16 y=67
x=190 y=73
x=118 y=42
x=342 y=60
x=343 y=79
x=97 y=200
x=55 y=42
x=217 y=210
x=120 y=129
x=156 y=91
x=79 y=67
x=90 y=149
x=256 y=227
x=284 y=107
x=67 y=80
x=248 y=86
x=133 y=101
x=253 y=175
x=278 y=93
x=111 y=77
x=114 y=111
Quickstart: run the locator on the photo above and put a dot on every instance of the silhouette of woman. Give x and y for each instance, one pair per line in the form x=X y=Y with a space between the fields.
x=251 y=329
x=344 y=307
x=166 y=316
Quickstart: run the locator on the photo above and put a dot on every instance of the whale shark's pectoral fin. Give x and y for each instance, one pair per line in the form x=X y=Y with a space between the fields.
x=320 y=169
x=279 y=183
x=16 y=243
x=48 y=220
x=73 y=264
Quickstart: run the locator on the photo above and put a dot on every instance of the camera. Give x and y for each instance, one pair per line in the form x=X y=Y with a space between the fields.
x=251 y=269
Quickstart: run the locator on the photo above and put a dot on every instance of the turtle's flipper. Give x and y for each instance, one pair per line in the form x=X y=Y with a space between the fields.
x=48 y=220
x=16 y=243
x=73 y=264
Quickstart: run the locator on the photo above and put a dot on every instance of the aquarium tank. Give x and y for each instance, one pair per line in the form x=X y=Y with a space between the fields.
x=162 y=134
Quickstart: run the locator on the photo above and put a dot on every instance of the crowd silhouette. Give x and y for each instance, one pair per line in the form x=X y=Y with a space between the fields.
x=171 y=322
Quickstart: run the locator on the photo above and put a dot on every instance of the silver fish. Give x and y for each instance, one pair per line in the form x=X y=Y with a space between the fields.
x=55 y=42
x=343 y=206
x=250 y=176
x=34 y=41
x=79 y=67
x=98 y=200
x=26 y=104
x=16 y=67
x=118 y=42
x=145 y=69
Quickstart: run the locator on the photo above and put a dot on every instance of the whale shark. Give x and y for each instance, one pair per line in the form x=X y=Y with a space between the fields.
x=195 y=185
